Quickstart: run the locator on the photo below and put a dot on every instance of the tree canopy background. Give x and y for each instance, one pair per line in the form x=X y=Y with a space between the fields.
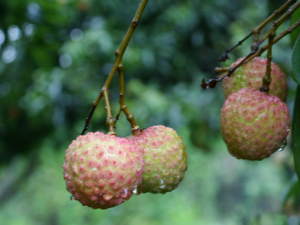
x=55 y=57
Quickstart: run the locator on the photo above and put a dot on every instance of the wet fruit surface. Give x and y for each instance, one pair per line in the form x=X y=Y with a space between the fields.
x=101 y=170
x=254 y=125
x=165 y=158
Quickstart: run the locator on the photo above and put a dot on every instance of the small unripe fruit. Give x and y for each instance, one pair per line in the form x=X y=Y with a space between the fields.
x=102 y=170
x=254 y=124
x=165 y=159
x=250 y=74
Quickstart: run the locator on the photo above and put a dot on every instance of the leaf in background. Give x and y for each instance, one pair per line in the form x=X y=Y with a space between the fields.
x=290 y=196
x=296 y=62
x=295 y=33
x=296 y=131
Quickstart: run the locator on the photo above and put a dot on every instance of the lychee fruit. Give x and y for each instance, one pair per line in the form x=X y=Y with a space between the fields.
x=102 y=170
x=250 y=74
x=254 y=124
x=165 y=159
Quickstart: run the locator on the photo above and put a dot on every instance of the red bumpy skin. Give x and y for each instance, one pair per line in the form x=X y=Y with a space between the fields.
x=250 y=74
x=254 y=125
x=165 y=159
x=102 y=170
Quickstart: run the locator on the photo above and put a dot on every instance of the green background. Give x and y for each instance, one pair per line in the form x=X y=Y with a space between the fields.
x=55 y=56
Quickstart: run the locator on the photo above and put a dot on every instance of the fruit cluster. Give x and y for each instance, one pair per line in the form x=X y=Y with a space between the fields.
x=254 y=124
x=102 y=170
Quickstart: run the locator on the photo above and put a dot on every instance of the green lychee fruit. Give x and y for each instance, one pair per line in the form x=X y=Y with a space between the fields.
x=102 y=170
x=254 y=124
x=250 y=74
x=165 y=159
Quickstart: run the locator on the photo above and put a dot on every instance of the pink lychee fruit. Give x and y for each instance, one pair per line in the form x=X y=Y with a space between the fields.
x=165 y=159
x=254 y=124
x=250 y=74
x=102 y=170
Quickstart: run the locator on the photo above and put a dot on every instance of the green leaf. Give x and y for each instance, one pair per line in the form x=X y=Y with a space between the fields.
x=296 y=62
x=291 y=190
x=290 y=197
x=296 y=132
x=295 y=33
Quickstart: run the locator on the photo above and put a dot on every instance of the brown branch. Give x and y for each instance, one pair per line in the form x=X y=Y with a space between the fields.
x=135 y=129
x=225 y=56
x=119 y=55
x=267 y=79
x=213 y=82
x=110 y=122
x=257 y=30
x=256 y=51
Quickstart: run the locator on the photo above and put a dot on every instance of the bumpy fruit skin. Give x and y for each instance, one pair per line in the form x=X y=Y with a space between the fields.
x=102 y=170
x=165 y=159
x=251 y=73
x=254 y=125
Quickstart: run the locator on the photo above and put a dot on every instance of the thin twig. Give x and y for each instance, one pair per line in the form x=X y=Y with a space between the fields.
x=256 y=51
x=225 y=56
x=267 y=79
x=119 y=55
x=257 y=30
x=213 y=82
x=221 y=69
x=276 y=39
x=278 y=22
x=135 y=129
x=110 y=122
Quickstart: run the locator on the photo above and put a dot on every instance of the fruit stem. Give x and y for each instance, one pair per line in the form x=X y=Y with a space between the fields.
x=119 y=55
x=257 y=30
x=267 y=79
x=221 y=69
x=135 y=129
x=256 y=49
x=110 y=122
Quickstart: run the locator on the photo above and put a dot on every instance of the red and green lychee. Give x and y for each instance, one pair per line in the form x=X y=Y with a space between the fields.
x=254 y=124
x=250 y=74
x=102 y=170
x=165 y=159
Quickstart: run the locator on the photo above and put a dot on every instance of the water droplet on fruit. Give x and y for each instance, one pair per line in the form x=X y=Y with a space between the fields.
x=136 y=191
x=72 y=198
x=282 y=146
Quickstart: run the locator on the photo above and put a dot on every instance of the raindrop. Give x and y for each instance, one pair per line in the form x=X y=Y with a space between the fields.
x=162 y=185
x=282 y=146
x=136 y=190
x=72 y=198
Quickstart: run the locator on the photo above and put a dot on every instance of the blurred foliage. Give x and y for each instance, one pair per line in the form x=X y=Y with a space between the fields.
x=55 y=57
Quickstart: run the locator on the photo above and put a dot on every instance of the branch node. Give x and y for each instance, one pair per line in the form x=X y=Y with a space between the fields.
x=135 y=23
